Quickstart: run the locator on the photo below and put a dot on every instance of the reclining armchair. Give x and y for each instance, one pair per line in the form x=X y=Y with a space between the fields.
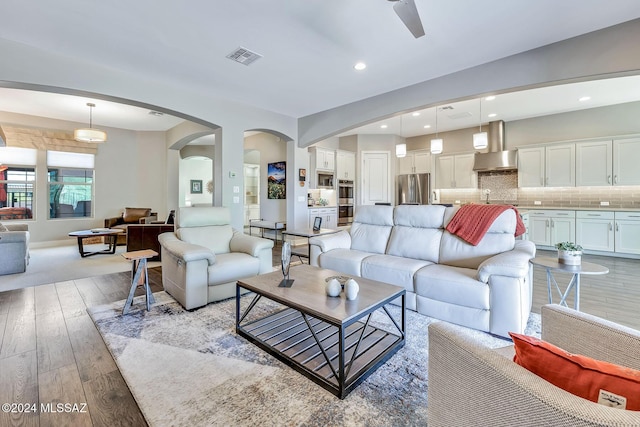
x=130 y=216
x=14 y=248
x=470 y=384
x=205 y=257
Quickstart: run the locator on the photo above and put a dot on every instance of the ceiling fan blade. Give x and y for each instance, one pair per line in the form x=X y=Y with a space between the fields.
x=408 y=13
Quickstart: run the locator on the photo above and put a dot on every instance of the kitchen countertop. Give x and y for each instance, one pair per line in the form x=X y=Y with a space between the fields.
x=322 y=207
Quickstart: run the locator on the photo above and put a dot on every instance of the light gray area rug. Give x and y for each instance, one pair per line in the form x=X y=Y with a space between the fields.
x=55 y=264
x=190 y=368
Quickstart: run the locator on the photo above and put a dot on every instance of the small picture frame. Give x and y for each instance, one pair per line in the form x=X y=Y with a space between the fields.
x=317 y=223
x=196 y=186
x=302 y=175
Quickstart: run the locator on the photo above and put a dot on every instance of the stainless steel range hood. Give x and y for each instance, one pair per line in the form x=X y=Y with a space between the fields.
x=497 y=159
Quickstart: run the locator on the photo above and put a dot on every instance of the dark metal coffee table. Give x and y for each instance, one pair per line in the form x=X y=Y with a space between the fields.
x=110 y=236
x=328 y=339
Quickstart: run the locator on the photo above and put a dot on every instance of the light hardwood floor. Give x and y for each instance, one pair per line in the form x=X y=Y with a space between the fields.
x=52 y=353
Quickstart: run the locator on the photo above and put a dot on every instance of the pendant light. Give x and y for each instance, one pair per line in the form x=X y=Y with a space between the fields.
x=480 y=139
x=436 y=144
x=90 y=134
x=401 y=149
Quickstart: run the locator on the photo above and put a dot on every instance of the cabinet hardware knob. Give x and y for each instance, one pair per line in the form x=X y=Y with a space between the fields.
x=609 y=179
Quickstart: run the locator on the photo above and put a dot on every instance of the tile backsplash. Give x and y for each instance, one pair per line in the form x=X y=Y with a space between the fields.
x=503 y=188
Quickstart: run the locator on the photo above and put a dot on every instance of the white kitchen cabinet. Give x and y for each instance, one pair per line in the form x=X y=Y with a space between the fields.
x=595 y=230
x=602 y=163
x=531 y=167
x=548 y=227
x=627 y=232
x=325 y=159
x=416 y=161
x=345 y=165
x=594 y=163
x=626 y=161
x=455 y=171
x=550 y=166
x=329 y=217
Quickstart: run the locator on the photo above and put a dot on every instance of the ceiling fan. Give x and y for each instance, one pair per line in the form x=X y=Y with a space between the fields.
x=408 y=13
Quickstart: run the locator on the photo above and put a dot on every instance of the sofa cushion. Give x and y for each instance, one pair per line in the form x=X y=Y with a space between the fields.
x=456 y=252
x=423 y=216
x=417 y=232
x=347 y=261
x=499 y=238
x=133 y=215
x=453 y=285
x=392 y=269
x=370 y=238
x=577 y=374
x=371 y=229
x=233 y=266
x=214 y=237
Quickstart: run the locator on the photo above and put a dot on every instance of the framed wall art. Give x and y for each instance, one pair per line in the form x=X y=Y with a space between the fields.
x=196 y=186
x=276 y=180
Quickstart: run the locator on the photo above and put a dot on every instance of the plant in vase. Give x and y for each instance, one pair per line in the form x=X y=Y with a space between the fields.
x=569 y=253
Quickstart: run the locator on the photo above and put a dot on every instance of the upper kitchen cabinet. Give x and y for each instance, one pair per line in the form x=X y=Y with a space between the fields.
x=346 y=165
x=325 y=159
x=455 y=171
x=550 y=166
x=594 y=163
x=602 y=163
x=626 y=158
x=416 y=161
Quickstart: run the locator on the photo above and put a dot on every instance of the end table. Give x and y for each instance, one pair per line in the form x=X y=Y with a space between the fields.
x=139 y=276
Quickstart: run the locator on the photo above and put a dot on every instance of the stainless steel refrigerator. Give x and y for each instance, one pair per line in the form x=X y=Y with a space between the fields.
x=414 y=189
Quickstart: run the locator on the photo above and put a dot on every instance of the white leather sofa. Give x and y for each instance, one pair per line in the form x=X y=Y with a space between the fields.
x=14 y=248
x=205 y=256
x=486 y=287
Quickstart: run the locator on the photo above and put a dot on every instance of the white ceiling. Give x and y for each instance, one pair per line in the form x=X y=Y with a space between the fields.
x=309 y=50
x=309 y=46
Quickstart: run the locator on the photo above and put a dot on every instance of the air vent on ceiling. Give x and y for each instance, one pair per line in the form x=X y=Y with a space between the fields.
x=244 y=56
x=459 y=115
x=156 y=113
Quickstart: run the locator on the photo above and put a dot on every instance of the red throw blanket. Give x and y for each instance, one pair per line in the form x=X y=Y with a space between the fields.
x=472 y=222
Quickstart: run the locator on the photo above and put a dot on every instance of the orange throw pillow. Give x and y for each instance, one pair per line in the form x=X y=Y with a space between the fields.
x=577 y=374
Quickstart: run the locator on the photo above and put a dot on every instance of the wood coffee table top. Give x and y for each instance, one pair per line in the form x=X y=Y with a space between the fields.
x=308 y=293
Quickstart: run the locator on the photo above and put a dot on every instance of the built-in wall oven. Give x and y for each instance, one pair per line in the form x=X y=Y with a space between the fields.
x=345 y=202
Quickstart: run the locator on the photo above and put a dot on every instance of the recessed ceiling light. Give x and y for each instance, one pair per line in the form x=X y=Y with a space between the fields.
x=360 y=66
x=156 y=113
x=584 y=98
x=383 y=126
x=492 y=115
x=427 y=126
x=490 y=98
x=416 y=114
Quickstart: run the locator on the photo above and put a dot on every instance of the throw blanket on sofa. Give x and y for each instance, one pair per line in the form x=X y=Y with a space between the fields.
x=472 y=222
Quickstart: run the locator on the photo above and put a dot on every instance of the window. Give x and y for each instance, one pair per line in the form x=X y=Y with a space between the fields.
x=17 y=186
x=70 y=177
x=17 y=182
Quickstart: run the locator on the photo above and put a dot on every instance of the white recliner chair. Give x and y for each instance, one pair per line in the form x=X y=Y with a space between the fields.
x=205 y=256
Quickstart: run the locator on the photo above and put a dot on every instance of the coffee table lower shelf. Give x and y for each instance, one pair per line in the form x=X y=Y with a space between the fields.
x=314 y=347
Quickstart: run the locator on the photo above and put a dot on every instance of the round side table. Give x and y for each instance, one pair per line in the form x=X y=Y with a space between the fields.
x=552 y=264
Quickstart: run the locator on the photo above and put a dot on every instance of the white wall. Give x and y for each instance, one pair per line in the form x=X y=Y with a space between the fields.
x=197 y=168
x=272 y=149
